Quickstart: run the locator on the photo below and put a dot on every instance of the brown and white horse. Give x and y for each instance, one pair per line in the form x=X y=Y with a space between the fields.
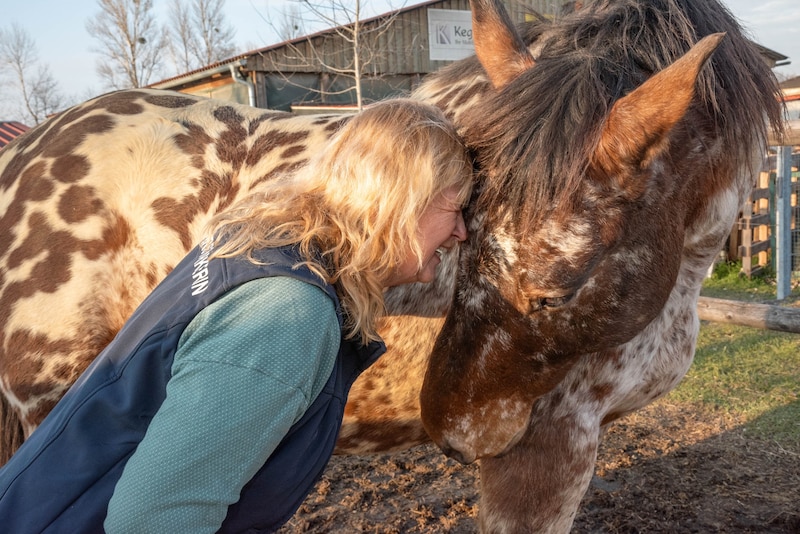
x=613 y=157
x=615 y=154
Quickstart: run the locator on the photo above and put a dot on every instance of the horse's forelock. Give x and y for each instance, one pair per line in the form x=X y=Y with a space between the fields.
x=533 y=138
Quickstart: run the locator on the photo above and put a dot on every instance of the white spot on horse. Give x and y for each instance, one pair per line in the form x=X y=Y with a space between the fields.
x=498 y=339
x=508 y=246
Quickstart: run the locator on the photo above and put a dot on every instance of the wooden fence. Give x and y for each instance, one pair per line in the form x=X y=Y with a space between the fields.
x=752 y=238
x=756 y=315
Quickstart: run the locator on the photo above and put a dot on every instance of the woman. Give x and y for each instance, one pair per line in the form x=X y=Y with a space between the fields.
x=217 y=406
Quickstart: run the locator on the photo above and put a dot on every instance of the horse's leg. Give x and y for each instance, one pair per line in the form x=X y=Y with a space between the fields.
x=538 y=485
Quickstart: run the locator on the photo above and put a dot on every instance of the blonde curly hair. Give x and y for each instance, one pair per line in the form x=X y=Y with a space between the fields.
x=354 y=210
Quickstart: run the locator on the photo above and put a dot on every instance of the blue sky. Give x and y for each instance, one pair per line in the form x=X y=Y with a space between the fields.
x=58 y=28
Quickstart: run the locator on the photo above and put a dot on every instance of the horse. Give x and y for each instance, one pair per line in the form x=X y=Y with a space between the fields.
x=579 y=127
x=615 y=151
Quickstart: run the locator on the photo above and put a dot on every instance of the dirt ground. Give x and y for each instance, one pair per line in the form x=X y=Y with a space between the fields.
x=666 y=469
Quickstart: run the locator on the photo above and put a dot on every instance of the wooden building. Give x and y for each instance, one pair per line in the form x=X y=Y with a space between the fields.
x=305 y=74
x=791 y=99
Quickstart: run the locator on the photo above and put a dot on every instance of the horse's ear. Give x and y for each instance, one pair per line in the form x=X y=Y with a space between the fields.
x=639 y=123
x=499 y=47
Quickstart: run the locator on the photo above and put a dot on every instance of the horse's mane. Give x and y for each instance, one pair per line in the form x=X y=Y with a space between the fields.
x=534 y=137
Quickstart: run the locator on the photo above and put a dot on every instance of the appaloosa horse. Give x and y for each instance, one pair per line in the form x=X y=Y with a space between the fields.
x=615 y=154
x=612 y=165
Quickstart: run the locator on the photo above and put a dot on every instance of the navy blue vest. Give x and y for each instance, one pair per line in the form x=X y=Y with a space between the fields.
x=63 y=476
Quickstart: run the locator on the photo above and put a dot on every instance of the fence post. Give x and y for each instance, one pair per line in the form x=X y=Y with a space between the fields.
x=783 y=221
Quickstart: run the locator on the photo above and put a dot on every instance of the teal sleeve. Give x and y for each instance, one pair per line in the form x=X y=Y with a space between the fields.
x=246 y=369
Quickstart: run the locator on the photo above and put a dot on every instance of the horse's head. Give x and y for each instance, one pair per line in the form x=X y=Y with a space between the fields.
x=572 y=249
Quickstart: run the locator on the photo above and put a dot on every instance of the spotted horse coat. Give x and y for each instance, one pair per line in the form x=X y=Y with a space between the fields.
x=101 y=201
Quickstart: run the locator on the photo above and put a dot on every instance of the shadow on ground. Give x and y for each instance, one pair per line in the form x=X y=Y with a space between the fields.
x=667 y=469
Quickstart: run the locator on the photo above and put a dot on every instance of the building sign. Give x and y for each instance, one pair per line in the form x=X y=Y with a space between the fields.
x=450 y=34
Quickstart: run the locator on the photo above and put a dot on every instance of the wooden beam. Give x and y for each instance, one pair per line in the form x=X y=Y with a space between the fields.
x=792 y=137
x=751 y=314
x=754 y=248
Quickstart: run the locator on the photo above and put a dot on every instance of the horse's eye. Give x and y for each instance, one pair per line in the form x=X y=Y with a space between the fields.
x=556 y=302
x=538 y=304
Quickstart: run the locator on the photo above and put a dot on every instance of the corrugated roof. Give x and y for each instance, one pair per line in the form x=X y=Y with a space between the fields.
x=9 y=130
x=770 y=54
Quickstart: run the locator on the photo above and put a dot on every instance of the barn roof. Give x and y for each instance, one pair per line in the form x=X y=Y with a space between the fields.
x=791 y=83
x=9 y=130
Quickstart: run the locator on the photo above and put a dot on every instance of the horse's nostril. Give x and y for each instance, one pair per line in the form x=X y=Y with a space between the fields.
x=455 y=454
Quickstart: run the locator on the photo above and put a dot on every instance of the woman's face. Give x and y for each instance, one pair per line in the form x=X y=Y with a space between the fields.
x=441 y=226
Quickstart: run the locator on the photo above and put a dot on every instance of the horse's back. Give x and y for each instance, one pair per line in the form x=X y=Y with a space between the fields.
x=100 y=202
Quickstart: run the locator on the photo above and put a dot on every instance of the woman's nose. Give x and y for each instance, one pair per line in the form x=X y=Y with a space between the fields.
x=460 y=231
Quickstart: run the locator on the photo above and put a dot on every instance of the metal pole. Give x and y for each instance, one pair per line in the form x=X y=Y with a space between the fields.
x=783 y=221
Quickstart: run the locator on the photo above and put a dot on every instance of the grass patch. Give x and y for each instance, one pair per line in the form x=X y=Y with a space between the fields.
x=728 y=282
x=751 y=374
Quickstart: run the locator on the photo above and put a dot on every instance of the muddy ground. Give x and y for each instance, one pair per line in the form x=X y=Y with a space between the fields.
x=666 y=469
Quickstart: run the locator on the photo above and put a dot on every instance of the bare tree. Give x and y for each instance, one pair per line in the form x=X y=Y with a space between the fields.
x=199 y=34
x=36 y=89
x=344 y=17
x=180 y=34
x=216 y=35
x=292 y=25
x=131 y=42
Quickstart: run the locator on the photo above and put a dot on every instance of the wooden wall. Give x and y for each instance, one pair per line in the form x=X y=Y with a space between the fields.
x=402 y=49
